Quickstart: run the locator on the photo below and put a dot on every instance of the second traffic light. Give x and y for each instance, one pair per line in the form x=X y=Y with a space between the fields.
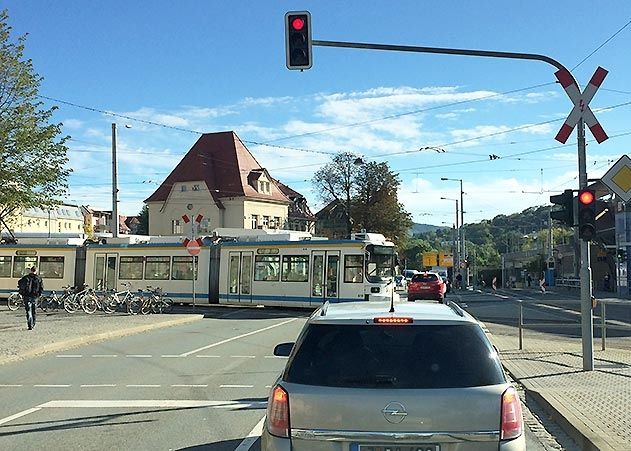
x=566 y=202
x=586 y=214
x=298 y=39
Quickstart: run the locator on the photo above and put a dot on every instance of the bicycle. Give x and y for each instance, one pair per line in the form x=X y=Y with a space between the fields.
x=129 y=299
x=55 y=302
x=15 y=301
x=159 y=303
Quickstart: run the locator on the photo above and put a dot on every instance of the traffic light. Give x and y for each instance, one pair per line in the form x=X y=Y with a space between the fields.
x=566 y=202
x=298 y=39
x=586 y=214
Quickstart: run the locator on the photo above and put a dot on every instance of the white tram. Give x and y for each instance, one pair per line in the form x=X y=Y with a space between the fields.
x=255 y=267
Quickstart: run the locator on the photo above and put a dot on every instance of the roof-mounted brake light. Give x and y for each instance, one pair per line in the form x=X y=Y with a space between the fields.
x=392 y=320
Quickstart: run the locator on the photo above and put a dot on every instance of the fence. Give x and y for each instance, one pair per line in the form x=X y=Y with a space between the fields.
x=603 y=321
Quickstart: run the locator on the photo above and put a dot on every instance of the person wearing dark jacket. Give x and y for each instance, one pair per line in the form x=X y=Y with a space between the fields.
x=31 y=287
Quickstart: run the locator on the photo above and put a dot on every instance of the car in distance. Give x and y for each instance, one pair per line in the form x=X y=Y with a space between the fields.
x=427 y=285
x=362 y=377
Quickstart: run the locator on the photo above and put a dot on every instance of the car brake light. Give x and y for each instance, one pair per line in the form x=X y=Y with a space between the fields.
x=512 y=420
x=278 y=413
x=392 y=320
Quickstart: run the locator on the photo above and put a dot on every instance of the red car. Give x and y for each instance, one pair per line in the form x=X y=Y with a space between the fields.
x=427 y=285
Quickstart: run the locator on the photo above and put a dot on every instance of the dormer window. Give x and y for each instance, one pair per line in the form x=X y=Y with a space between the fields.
x=183 y=188
x=264 y=187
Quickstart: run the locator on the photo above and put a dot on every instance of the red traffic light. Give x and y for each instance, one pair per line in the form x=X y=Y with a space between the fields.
x=298 y=23
x=586 y=197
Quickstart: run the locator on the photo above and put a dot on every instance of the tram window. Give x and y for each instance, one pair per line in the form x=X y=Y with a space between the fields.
x=295 y=268
x=5 y=266
x=157 y=268
x=267 y=267
x=183 y=268
x=353 y=268
x=22 y=265
x=130 y=268
x=51 y=267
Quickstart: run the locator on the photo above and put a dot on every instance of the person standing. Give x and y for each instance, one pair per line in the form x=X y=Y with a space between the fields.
x=30 y=287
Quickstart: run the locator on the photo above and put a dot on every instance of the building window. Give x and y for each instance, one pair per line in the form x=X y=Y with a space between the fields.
x=277 y=223
x=183 y=188
x=255 y=221
x=195 y=187
x=264 y=187
x=176 y=227
x=265 y=222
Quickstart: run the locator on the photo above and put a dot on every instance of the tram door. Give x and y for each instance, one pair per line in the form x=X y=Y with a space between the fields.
x=105 y=271
x=240 y=277
x=325 y=278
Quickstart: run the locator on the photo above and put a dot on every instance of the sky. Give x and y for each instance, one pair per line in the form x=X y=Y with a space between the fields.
x=192 y=67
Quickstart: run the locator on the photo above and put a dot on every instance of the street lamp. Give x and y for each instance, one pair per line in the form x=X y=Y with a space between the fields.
x=115 y=183
x=464 y=271
x=457 y=240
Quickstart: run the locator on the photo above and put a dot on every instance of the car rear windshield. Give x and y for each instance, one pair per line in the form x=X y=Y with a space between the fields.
x=406 y=357
x=425 y=278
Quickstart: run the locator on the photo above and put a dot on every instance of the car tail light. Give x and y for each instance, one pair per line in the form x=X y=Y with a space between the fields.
x=278 y=413
x=392 y=320
x=512 y=420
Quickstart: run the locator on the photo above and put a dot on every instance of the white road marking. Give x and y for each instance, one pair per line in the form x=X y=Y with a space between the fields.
x=275 y=357
x=141 y=356
x=243 y=356
x=104 y=355
x=19 y=414
x=208 y=356
x=10 y=385
x=69 y=356
x=252 y=437
x=169 y=356
x=268 y=386
x=235 y=386
x=143 y=386
x=96 y=385
x=145 y=403
x=194 y=351
x=189 y=385
x=53 y=385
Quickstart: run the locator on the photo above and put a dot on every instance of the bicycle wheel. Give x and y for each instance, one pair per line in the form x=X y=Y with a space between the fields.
x=156 y=304
x=134 y=305
x=109 y=304
x=71 y=303
x=89 y=303
x=167 y=305
x=15 y=301
x=43 y=302
x=145 y=307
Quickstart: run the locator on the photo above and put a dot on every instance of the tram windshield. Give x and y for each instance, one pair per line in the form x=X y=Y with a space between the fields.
x=379 y=263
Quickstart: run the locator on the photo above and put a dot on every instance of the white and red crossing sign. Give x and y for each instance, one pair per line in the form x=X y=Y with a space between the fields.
x=193 y=246
x=187 y=218
x=581 y=104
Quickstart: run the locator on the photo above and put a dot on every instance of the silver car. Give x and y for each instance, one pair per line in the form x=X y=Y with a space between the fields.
x=362 y=377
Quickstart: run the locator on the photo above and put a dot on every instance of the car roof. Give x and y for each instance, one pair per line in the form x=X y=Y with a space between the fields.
x=362 y=312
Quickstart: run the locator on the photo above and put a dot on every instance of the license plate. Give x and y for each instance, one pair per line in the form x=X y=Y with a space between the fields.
x=424 y=447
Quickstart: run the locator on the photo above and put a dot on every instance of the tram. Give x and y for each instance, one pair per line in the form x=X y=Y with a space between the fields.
x=234 y=266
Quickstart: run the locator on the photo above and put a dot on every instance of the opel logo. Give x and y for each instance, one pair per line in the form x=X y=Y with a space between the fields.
x=394 y=412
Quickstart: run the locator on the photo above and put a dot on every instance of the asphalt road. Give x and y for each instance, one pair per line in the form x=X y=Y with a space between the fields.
x=202 y=385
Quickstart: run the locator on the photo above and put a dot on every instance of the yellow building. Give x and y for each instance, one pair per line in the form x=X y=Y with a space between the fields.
x=64 y=219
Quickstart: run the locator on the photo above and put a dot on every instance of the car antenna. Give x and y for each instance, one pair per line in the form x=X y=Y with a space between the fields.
x=391 y=296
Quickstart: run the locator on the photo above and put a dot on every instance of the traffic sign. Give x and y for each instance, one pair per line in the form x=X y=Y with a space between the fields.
x=618 y=178
x=581 y=104
x=193 y=247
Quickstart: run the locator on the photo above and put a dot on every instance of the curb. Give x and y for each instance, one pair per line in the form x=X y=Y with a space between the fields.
x=74 y=342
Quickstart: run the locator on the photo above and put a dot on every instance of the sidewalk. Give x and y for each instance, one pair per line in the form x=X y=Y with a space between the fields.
x=594 y=407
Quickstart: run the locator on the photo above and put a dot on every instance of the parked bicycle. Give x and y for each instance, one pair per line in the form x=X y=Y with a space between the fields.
x=130 y=301
x=15 y=301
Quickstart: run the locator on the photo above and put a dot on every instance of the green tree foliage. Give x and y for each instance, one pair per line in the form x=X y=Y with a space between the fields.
x=143 y=217
x=367 y=192
x=33 y=158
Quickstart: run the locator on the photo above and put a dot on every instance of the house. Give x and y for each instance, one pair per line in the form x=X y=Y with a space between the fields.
x=299 y=216
x=97 y=220
x=62 y=220
x=332 y=220
x=220 y=180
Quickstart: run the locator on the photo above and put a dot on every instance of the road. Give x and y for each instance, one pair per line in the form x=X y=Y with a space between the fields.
x=201 y=385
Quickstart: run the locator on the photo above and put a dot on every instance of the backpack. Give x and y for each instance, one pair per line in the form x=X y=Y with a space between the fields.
x=27 y=286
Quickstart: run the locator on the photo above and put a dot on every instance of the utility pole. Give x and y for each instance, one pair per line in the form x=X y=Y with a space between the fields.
x=114 y=185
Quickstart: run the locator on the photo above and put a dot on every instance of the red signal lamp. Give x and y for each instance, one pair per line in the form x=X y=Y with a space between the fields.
x=586 y=197
x=298 y=23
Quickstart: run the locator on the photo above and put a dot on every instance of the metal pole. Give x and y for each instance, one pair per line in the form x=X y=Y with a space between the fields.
x=193 y=261
x=464 y=271
x=521 y=324
x=114 y=185
x=587 y=320
x=603 y=325
x=458 y=243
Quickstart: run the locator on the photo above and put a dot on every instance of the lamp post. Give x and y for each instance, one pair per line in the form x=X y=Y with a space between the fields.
x=456 y=240
x=463 y=271
x=115 y=183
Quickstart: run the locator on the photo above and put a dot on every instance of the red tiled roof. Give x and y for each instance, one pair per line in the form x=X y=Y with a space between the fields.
x=224 y=163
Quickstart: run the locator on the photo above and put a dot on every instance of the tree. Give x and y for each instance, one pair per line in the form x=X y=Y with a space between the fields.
x=376 y=204
x=335 y=183
x=33 y=158
x=143 y=217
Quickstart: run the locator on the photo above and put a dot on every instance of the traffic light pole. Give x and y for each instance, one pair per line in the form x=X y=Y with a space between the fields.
x=585 y=272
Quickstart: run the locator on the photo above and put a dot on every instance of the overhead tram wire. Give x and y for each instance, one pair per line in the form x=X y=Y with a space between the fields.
x=601 y=45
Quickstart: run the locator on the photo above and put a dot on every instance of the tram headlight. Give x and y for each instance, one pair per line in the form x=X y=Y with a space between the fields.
x=375 y=289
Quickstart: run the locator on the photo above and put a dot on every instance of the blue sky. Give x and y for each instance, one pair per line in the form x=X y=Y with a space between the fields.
x=214 y=66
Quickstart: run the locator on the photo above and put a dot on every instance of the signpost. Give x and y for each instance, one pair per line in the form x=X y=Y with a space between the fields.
x=193 y=246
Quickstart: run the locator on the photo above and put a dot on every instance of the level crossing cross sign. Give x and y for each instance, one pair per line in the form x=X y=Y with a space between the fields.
x=193 y=247
x=581 y=104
